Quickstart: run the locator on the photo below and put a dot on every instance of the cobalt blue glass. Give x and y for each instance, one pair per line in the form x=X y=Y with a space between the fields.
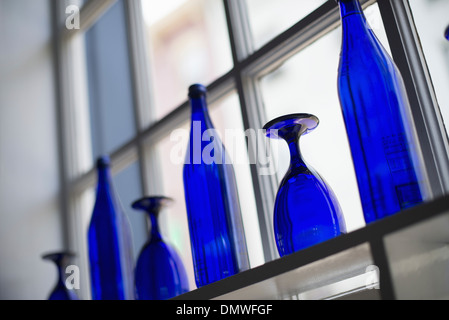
x=160 y=273
x=306 y=210
x=215 y=222
x=375 y=109
x=60 y=291
x=446 y=33
x=109 y=242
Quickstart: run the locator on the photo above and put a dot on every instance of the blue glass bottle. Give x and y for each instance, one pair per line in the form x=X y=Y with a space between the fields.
x=60 y=291
x=160 y=273
x=109 y=242
x=375 y=108
x=306 y=210
x=446 y=33
x=215 y=223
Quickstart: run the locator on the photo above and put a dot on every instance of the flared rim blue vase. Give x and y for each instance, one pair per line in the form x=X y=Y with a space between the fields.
x=60 y=290
x=160 y=273
x=306 y=210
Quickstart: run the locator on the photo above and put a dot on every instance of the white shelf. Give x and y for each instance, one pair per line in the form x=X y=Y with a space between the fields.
x=342 y=272
x=409 y=253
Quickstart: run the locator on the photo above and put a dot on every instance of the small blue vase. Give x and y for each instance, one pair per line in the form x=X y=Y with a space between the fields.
x=306 y=210
x=160 y=273
x=60 y=291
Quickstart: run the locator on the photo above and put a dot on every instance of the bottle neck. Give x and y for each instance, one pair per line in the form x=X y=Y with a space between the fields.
x=199 y=110
x=104 y=178
x=357 y=34
x=155 y=232
x=350 y=7
x=61 y=275
x=292 y=136
x=296 y=159
x=104 y=188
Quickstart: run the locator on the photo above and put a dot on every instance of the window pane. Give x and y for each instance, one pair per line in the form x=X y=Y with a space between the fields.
x=268 y=18
x=170 y=153
x=431 y=20
x=188 y=43
x=109 y=81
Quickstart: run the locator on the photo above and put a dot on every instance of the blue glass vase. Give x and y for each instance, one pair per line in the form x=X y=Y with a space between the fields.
x=109 y=242
x=306 y=211
x=160 y=273
x=215 y=223
x=375 y=109
x=60 y=291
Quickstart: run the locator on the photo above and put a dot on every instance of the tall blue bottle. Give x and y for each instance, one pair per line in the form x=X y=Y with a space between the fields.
x=215 y=223
x=109 y=242
x=375 y=106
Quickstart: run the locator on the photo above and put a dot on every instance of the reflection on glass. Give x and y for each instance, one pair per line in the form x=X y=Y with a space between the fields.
x=127 y=185
x=188 y=43
x=268 y=18
x=436 y=49
x=170 y=158
x=80 y=220
x=227 y=119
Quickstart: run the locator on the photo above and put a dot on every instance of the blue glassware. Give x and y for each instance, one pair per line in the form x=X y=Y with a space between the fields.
x=306 y=211
x=215 y=223
x=109 y=242
x=60 y=291
x=375 y=108
x=446 y=33
x=160 y=273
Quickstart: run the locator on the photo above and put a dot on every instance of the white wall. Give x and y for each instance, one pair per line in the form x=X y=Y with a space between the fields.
x=29 y=207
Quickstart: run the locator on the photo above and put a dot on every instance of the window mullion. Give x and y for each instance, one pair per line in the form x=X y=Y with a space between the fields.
x=141 y=84
x=239 y=29
x=74 y=141
x=241 y=44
